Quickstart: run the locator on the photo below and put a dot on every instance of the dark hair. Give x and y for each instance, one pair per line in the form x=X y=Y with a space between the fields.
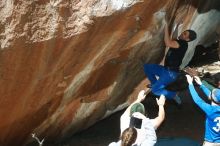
x=192 y=35
x=128 y=136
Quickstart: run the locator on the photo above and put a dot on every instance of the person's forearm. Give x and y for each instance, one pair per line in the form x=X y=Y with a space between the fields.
x=161 y=112
x=160 y=118
x=194 y=94
x=201 y=103
x=205 y=90
x=209 y=86
x=166 y=35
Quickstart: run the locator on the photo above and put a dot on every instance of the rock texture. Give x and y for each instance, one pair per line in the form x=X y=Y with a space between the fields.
x=64 y=65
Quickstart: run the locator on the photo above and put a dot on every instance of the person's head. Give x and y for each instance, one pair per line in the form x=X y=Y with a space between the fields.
x=137 y=107
x=188 y=35
x=128 y=136
x=215 y=96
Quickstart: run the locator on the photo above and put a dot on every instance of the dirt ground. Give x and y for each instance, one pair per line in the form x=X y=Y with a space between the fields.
x=186 y=121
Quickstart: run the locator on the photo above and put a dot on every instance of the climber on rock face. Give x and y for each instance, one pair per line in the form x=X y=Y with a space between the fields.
x=173 y=59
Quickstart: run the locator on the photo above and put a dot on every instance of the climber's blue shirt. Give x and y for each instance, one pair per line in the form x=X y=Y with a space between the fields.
x=212 y=123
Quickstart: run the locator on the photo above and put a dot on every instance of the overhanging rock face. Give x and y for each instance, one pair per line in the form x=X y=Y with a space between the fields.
x=64 y=65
